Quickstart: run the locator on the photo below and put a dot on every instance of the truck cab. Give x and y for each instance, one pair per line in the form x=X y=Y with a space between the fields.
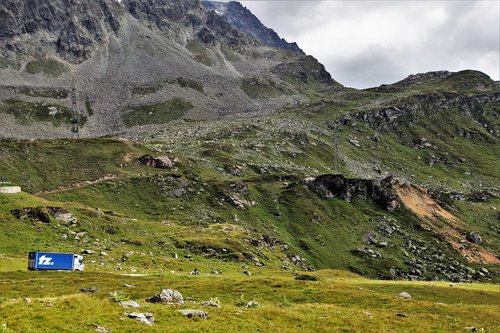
x=78 y=264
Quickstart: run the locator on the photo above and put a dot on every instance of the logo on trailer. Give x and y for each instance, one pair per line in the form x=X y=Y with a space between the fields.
x=43 y=260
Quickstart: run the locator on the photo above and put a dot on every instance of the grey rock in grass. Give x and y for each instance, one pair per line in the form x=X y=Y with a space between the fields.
x=130 y=304
x=404 y=294
x=146 y=318
x=194 y=313
x=168 y=297
x=252 y=304
x=211 y=304
x=100 y=328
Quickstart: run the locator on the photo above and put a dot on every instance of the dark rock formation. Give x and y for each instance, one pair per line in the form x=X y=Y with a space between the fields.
x=33 y=213
x=74 y=28
x=364 y=189
x=161 y=162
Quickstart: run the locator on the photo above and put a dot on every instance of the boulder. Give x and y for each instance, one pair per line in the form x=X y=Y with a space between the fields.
x=62 y=215
x=168 y=297
x=211 y=304
x=130 y=304
x=194 y=313
x=403 y=294
x=146 y=318
x=252 y=304
x=161 y=162
x=474 y=237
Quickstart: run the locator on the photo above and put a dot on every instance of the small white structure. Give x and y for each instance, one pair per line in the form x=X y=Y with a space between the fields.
x=10 y=189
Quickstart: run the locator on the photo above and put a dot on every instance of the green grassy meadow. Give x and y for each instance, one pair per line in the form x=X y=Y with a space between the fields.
x=337 y=302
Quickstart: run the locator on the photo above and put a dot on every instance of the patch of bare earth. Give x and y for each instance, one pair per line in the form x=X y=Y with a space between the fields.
x=442 y=222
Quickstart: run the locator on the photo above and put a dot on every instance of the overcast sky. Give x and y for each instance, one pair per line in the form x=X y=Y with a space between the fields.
x=367 y=43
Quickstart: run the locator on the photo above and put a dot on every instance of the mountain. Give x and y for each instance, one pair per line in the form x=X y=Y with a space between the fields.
x=242 y=19
x=197 y=138
x=137 y=63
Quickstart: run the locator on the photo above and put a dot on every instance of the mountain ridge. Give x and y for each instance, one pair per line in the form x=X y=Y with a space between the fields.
x=154 y=44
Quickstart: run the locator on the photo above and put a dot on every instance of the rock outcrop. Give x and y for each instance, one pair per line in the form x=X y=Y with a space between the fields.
x=348 y=189
x=72 y=28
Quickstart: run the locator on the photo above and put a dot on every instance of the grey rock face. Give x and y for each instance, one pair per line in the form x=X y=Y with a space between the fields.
x=167 y=296
x=347 y=189
x=207 y=27
x=242 y=19
x=75 y=28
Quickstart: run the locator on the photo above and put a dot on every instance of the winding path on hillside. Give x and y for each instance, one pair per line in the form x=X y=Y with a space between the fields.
x=80 y=184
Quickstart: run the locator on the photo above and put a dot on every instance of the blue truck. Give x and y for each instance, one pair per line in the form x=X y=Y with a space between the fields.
x=55 y=261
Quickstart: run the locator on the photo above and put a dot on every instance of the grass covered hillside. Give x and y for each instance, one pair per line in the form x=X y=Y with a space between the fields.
x=284 y=216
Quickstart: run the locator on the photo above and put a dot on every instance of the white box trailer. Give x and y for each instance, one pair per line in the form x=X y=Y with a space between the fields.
x=55 y=261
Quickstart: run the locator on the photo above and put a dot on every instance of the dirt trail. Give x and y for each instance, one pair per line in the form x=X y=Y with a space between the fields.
x=80 y=184
x=442 y=222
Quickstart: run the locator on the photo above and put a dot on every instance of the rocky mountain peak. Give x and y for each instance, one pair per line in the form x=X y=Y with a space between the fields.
x=242 y=19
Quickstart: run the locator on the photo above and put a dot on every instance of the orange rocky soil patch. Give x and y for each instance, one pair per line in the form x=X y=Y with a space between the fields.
x=442 y=222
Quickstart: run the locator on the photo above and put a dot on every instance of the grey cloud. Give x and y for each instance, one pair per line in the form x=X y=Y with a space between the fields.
x=367 y=43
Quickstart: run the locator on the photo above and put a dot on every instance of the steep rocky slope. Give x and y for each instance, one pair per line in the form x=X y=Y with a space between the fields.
x=135 y=63
x=243 y=19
